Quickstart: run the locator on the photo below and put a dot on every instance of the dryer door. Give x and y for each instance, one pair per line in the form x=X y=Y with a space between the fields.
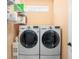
x=50 y=39
x=28 y=39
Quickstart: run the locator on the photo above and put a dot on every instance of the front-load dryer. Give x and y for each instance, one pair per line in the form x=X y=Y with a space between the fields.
x=28 y=42
x=50 y=42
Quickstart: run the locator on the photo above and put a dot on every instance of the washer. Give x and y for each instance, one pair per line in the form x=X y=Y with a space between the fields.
x=50 y=42
x=29 y=42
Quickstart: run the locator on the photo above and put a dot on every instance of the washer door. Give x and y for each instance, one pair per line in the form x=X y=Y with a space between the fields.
x=50 y=39
x=28 y=39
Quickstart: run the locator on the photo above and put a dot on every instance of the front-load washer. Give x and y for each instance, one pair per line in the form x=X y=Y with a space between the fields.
x=28 y=42
x=50 y=42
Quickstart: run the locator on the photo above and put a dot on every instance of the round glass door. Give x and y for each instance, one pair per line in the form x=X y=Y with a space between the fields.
x=50 y=39
x=28 y=39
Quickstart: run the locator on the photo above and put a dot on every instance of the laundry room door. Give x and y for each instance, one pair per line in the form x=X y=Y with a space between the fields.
x=69 y=29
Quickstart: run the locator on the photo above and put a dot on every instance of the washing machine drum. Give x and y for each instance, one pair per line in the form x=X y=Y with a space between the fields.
x=28 y=39
x=50 y=39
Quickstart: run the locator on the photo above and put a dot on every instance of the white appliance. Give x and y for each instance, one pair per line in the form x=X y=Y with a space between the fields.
x=50 y=42
x=28 y=42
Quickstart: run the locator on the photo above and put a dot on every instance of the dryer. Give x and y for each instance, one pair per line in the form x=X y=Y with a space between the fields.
x=28 y=42
x=50 y=42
